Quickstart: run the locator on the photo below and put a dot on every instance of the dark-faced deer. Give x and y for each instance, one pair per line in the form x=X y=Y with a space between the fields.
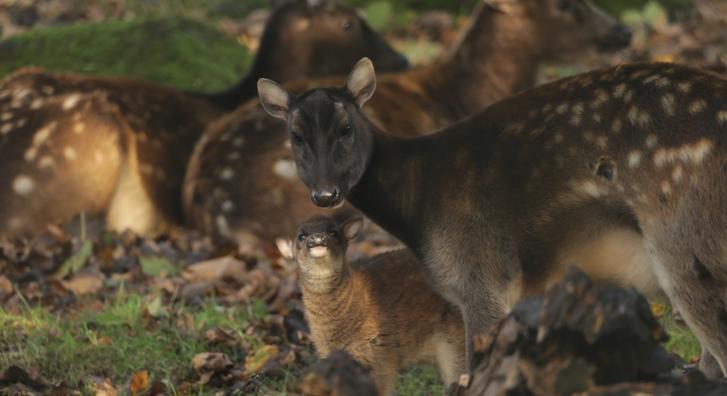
x=380 y=309
x=154 y=128
x=241 y=177
x=620 y=171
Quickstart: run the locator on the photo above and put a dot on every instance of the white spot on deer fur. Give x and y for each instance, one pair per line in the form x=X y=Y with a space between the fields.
x=37 y=103
x=619 y=90
x=98 y=156
x=227 y=206
x=285 y=169
x=688 y=153
x=6 y=116
x=668 y=103
x=684 y=87
x=227 y=173
x=665 y=187
x=634 y=159
x=31 y=153
x=602 y=142
x=46 y=162
x=6 y=128
x=638 y=117
x=677 y=173
x=616 y=126
x=601 y=98
x=651 y=141
x=226 y=136
x=79 y=127
x=628 y=95
x=697 y=106
x=233 y=156
x=596 y=118
x=722 y=117
x=562 y=108
x=23 y=185
x=590 y=188
x=238 y=141
x=69 y=153
x=43 y=134
x=588 y=136
x=71 y=101
x=558 y=138
x=21 y=123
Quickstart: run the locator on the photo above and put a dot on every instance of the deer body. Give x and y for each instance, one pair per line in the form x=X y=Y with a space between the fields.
x=497 y=55
x=154 y=127
x=620 y=171
x=380 y=309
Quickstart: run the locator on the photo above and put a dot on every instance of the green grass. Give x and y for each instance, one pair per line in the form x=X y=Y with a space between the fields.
x=119 y=340
x=681 y=340
x=174 y=51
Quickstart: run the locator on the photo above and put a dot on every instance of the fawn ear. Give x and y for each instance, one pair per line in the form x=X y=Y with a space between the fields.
x=274 y=98
x=352 y=227
x=361 y=81
x=285 y=246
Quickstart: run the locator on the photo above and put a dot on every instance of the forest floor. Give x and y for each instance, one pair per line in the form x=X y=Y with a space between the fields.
x=86 y=311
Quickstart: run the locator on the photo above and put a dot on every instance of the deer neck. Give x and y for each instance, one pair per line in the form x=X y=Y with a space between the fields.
x=333 y=313
x=390 y=189
x=496 y=57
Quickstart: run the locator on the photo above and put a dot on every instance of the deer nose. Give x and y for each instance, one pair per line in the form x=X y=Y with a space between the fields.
x=619 y=37
x=317 y=240
x=326 y=197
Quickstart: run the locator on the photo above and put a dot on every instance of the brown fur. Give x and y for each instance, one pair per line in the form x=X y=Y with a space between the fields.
x=382 y=311
x=497 y=56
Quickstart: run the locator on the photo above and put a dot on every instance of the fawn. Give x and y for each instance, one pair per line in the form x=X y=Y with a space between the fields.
x=149 y=131
x=380 y=309
x=244 y=160
x=621 y=171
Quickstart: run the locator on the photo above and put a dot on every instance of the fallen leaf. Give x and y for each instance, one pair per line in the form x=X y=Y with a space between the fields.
x=74 y=263
x=103 y=387
x=258 y=359
x=156 y=308
x=207 y=364
x=157 y=266
x=85 y=283
x=139 y=382
x=6 y=287
x=215 y=270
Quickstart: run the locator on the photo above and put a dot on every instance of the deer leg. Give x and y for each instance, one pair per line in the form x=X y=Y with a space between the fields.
x=693 y=272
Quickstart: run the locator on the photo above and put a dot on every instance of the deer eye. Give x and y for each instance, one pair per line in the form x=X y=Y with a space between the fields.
x=345 y=130
x=301 y=236
x=346 y=24
x=297 y=138
x=333 y=234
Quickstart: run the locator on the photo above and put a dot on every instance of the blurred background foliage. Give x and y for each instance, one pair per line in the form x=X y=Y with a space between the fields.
x=190 y=44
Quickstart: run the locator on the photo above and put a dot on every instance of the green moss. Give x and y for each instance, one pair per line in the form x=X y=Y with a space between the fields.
x=174 y=51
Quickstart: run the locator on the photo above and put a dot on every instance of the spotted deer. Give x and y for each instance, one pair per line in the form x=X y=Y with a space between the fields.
x=117 y=146
x=379 y=309
x=241 y=177
x=620 y=171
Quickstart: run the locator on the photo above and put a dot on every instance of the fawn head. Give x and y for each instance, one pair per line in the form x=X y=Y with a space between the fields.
x=320 y=246
x=331 y=139
x=323 y=38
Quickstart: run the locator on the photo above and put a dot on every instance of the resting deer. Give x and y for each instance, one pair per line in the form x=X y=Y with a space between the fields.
x=380 y=309
x=621 y=171
x=148 y=131
x=243 y=159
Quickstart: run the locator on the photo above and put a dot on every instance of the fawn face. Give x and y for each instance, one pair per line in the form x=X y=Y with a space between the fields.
x=313 y=31
x=320 y=246
x=569 y=25
x=331 y=151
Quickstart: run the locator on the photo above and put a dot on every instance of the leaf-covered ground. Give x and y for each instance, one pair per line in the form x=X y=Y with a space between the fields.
x=87 y=311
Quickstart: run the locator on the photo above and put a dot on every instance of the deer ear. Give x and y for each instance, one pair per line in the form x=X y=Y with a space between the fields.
x=285 y=246
x=352 y=227
x=361 y=82
x=274 y=98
